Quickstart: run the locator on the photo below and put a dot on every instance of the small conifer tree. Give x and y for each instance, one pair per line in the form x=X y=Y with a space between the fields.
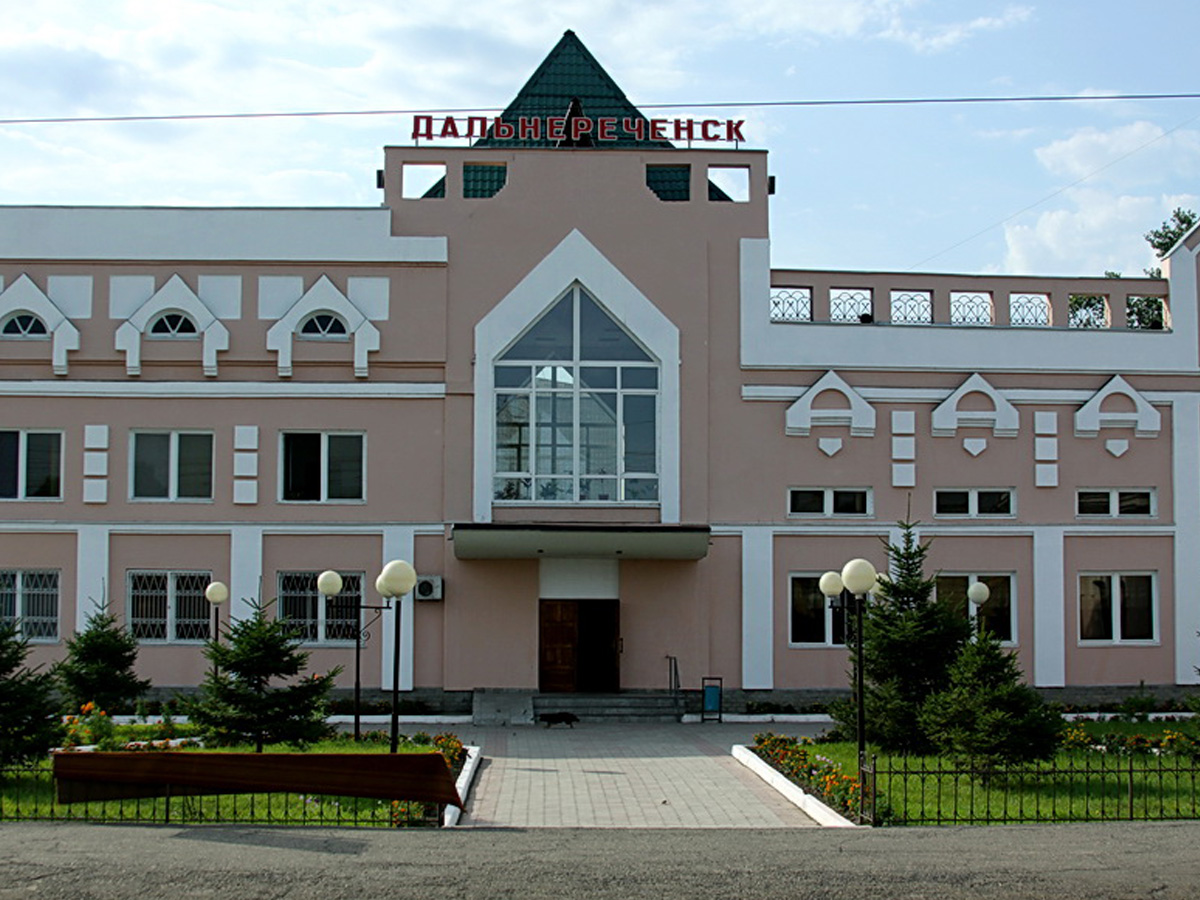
x=99 y=667
x=987 y=716
x=257 y=690
x=910 y=639
x=28 y=725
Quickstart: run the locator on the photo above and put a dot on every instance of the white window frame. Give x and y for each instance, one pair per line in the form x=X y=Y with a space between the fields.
x=1115 y=577
x=172 y=620
x=194 y=335
x=342 y=337
x=172 y=467
x=829 y=642
x=827 y=505
x=22 y=465
x=325 y=436
x=973 y=610
x=20 y=610
x=322 y=621
x=1114 y=503
x=973 y=503
x=46 y=334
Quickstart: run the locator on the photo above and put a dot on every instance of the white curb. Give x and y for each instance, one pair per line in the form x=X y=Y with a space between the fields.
x=808 y=804
x=465 y=779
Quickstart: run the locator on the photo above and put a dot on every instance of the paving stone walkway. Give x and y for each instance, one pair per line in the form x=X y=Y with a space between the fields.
x=621 y=776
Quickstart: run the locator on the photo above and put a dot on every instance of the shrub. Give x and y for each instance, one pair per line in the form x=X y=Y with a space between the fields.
x=28 y=725
x=99 y=667
x=987 y=716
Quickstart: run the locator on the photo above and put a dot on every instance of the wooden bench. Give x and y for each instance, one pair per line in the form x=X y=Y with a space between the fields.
x=421 y=777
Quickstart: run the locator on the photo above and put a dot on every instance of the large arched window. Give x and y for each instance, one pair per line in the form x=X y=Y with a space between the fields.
x=576 y=410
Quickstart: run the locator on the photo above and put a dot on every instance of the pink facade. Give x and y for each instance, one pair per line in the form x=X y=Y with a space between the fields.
x=587 y=404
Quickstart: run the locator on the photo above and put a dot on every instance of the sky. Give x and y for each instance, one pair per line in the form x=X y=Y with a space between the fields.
x=1022 y=188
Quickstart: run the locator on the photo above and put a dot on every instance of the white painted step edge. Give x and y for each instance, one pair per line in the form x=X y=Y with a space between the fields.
x=465 y=779
x=808 y=804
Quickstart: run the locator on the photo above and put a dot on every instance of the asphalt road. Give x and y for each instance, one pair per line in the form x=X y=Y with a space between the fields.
x=52 y=860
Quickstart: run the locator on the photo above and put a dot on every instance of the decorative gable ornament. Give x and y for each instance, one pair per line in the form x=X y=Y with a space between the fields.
x=25 y=296
x=1144 y=419
x=858 y=414
x=174 y=296
x=1002 y=418
x=323 y=297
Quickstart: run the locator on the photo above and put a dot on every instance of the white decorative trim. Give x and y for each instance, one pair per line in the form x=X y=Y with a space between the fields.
x=801 y=416
x=830 y=446
x=1185 y=478
x=975 y=446
x=579 y=579
x=904 y=421
x=904 y=475
x=577 y=259
x=245 y=464
x=1118 y=447
x=208 y=235
x=1045 y=449
x=1144 y=419
x=1045 y=422
x=320 y=297
x=242 y=390
x=1003 y=418
x=245 y=493
x=398 y=543
x=758 y=611
x=95 y=437
x=175 y=295
x=24 y=295
x=1046 y=475
x=91 y=572
x=95 y=463
x=245 y=569
x=95 y=490
x=1049 y=608
x=245 y=437
x=904 y=448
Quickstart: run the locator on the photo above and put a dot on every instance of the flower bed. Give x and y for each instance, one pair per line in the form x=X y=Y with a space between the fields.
x=798 y=760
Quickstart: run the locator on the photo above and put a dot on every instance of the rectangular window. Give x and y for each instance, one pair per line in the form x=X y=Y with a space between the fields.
x=997 y=614
x=320 y=466
x=29 y=598
x=172 y=465
x=1117 y=608
x=829 y=502
x=30 y=465
x=983 y=502
x=813 y=621
x=1112 y=502
x=315 y=617
x=169 y=606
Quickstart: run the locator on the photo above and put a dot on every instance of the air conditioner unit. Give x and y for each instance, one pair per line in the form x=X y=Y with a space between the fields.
x=429 y=587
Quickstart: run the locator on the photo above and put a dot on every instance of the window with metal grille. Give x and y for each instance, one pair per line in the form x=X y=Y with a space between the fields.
x=29 y=599
x=850 y=305
x=970 y=308
x=315 y=617
x=792 y=304
x=168 y=606
x=912 y=307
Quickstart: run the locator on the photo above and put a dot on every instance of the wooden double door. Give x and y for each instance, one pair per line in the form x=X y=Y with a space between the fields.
x=579 y=646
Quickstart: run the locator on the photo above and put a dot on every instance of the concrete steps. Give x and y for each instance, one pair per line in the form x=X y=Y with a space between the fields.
x=636 y=706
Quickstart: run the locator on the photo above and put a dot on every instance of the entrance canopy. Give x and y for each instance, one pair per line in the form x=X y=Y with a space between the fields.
x=520 y=541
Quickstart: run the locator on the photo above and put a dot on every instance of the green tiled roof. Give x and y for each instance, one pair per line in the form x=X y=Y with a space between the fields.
x=570 y=72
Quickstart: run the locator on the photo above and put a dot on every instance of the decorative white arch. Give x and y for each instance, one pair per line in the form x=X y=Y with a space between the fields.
x=1002 y=418
x=858 y=414
x=174 y=296
x=25 y=296
x=321 y=297
x=576 y=259
x=1144 y=419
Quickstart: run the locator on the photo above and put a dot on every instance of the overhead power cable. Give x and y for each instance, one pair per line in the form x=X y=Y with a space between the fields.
x=722 y=104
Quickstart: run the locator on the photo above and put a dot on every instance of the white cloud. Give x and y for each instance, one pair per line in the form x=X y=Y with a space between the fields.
x=1098 y=232
x=936 y=38
x=1137 y=153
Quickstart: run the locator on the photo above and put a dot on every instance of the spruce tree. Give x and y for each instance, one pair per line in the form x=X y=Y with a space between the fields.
x=28 y=724
x=910 y=640
x=257 y=690
x=99 y=667
x=987 y=716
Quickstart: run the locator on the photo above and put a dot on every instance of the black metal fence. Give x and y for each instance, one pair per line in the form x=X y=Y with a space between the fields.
x=1089 y=787
x=27 y=793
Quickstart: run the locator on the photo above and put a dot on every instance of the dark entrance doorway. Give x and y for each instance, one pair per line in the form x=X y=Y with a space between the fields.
x=579 y=646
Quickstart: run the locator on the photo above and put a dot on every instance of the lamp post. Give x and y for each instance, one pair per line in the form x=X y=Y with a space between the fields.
x=978 y=594
x=397 y=579
x=216 y=593
x=858 y=577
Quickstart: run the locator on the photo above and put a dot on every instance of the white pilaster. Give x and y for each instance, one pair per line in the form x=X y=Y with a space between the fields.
x=245 y=570
x=1049 y=609
x=91 y=571
x=758 y=620
x=1185 y=476
x=398 y=543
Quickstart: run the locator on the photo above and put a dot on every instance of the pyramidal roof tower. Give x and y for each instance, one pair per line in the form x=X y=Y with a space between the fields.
x=570 y=82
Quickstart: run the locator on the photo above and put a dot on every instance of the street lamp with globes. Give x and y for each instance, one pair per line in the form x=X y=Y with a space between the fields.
x=216 y=593
x=858 y=577
x=397 y=579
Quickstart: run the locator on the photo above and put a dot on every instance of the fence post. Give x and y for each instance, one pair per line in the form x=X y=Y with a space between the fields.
x=1131 y=787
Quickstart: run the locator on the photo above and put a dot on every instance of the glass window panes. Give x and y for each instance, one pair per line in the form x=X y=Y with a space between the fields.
x=151 y=465
x=173 y=325
x=1137 y=608
x=996 y=613
x=302 y=466
x=1133 y=503
x=43 y=464
x=995 y=503
x=148 y=598
x=803 y=501
x=808 y=612
x=551 y=337
x=195 y=465
x=23 y=325
x=849 y=503
x=1095 y=608
x=640 y=433
x=1093 y=503
x=10 y=444
x=345 y=475
x=952 y=503
x=29 y=599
